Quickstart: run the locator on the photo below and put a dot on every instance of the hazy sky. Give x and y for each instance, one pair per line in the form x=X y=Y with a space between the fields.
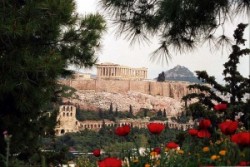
x=117 y=50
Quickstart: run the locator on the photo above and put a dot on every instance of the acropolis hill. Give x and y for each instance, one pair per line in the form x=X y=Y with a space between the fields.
x=122 y=85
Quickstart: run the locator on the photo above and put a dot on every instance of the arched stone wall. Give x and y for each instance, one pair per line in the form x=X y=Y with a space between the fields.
x=67 y=122
x=66 y=119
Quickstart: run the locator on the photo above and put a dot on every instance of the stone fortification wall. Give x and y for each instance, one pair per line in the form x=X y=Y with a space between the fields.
x=174 y=90
x=112 y=86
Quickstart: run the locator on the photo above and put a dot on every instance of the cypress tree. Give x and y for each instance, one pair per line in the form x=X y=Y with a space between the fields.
x=111 y=109
x=159 y=113
x=164 y=113
x=161 y=77
x=116 y=112
x=130 y=111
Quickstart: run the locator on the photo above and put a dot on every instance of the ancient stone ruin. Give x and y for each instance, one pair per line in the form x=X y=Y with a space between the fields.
x=67 y=122
x=123 y=87
x=116 y=71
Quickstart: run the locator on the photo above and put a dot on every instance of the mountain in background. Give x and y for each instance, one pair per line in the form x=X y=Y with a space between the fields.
x=181 y=73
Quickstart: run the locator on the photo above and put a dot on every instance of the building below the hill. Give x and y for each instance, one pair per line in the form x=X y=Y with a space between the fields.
x=67 y=122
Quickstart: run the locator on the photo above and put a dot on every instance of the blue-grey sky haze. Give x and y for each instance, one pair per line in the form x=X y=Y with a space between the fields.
x=117 y=50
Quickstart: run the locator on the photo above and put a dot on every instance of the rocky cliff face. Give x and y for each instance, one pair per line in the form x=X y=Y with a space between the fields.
x=171 y=89
x=94 y=100
x=95 y=94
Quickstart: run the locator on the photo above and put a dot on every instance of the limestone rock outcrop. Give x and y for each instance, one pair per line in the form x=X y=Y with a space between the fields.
x=93 y=100
x=171 y=89
x=100 y=93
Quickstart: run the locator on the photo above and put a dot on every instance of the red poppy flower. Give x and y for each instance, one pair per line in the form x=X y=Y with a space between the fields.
x=110 y=162
x=193 y=132
x=157 y=149
x=156 y=128
x=228 y=127
x=203 y=133
x=242 y=138
x=96 y=152
x=220 y=107
x=172 y=145
x=244 y=163
x=204 y=123
x=123 y=130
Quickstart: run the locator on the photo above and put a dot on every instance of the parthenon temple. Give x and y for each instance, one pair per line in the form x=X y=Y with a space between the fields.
x=116 y=71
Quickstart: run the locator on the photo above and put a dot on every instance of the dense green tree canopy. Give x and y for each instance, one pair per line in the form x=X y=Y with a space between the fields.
x=180 y=24
x=161 y=77
x=38 y=40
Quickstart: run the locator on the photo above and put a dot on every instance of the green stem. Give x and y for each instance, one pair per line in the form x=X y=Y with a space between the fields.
x=43 y=161
x=7 y=153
